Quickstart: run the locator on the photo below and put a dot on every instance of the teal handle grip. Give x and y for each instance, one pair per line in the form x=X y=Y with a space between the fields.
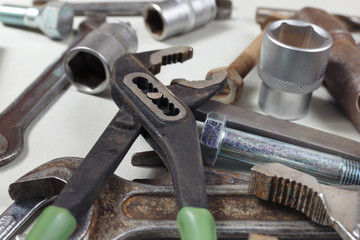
x=196 y=224
x=54 y=223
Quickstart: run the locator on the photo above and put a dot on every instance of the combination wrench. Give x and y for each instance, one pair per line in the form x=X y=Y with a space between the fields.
x=16 y=117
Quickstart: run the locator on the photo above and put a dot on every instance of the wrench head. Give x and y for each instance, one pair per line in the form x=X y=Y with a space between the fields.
x=233 y=88
x=44 y=181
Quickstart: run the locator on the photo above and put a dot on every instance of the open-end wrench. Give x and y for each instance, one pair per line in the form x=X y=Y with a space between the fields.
x=16 y=117
x=132 y=210
x=33 y=191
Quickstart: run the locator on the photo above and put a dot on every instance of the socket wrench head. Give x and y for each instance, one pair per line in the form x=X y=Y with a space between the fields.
x=56 y=19
x=173 y=17
x=88 y=65
x=292 y=65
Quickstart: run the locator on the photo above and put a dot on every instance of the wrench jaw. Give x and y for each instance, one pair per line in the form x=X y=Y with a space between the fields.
x=153 y=60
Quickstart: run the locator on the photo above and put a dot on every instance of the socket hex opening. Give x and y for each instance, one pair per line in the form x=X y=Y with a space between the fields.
x=154 y=22
x=300 y=35
x=87 y=70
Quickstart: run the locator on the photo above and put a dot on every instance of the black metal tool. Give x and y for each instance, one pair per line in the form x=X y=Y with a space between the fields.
x=146 y=107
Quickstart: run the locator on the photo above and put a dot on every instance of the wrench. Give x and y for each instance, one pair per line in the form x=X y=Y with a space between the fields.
x=19 y=114
x=117 y=213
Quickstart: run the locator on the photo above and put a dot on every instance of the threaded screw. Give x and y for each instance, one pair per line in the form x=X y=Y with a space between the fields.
x=54 y=19
x=218 y=140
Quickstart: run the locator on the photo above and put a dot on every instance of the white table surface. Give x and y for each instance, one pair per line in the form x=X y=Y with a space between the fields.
x=74 y=121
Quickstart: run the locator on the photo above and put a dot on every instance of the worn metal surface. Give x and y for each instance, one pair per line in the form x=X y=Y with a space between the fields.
x=223 y=9
x=237 y=70
x=281 y=130
x=157 y=120
x=33 y=191
x=342 y=77
x=352 y=23
x=167 y=117
x=16 y=117
x=130 y=210
x=18 y=214
x=327 y=205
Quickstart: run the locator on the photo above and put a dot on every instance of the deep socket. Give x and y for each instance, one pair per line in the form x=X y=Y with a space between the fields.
x=88 y=65
x=173 y=17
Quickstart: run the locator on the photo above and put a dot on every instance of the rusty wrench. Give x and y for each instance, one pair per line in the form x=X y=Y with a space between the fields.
x=117 y=213
x=16 y=117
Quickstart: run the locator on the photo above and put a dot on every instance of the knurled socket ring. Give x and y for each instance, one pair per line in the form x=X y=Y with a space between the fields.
x=292 y=65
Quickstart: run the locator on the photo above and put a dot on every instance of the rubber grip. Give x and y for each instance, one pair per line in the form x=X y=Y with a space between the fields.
x=54 y=223
x=196 y=224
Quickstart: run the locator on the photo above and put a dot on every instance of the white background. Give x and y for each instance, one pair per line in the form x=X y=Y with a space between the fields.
x=74 y=121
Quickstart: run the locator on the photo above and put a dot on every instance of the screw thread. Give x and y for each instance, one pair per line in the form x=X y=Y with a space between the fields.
x=351 y=173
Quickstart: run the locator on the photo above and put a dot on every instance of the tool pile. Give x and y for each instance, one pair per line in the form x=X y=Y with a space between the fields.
x=191 y=126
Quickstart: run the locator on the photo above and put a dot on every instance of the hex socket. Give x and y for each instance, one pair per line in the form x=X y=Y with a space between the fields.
x=173 y=17
x=88 y=65
x=292 y=65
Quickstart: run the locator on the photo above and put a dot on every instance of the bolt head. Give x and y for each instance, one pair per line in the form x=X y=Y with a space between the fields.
x=211 y=137
x=56 y=20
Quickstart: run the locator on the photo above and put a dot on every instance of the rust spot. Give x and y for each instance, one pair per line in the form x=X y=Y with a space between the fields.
x=229 y=208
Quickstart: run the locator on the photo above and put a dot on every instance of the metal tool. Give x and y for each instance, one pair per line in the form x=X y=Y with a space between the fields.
x=342 y=76
x=261 y=237
x=88 y=64
x=219 y=141
x=16 y=117
x=326 y=205
x=117 y=213
x=262 y=13
x=237 y=71
x=122 y=8
x=54 y=19
x=223 y=8
x=281 y=130
x=293 y=59
x=173 y=17
x=35 y=190
x=147 y=107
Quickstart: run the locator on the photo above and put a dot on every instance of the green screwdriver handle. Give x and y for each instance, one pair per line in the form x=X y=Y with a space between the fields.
x=54 y=223
x=196 y=224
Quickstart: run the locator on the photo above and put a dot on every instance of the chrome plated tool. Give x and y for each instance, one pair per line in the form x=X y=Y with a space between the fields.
x=16 y=117
x=89 y=63
x=293 y=60
x=218 y=141
x=326 y=205
x=173 y=17
x=54 y=19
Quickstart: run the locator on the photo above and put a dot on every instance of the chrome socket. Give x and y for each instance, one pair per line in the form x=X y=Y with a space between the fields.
x=293 y=60
x=88 y=65
x=173 y=17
